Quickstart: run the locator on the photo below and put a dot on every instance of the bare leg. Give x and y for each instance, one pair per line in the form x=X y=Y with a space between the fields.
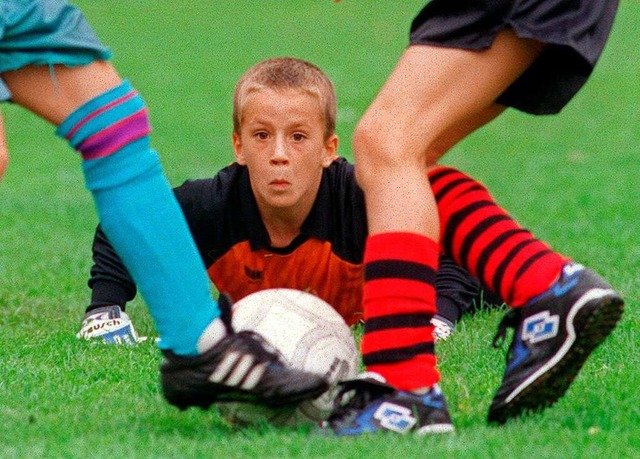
x=433 y=99
x=101 y=117
x=416 y=116
x=461 y=130
x=55 y=98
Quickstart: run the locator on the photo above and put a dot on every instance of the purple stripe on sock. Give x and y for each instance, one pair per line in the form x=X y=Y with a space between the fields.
x=100 y=110
x=116 y=136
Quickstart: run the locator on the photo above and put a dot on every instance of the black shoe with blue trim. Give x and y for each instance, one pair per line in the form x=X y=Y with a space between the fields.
x=554 y=334
x=368 y=405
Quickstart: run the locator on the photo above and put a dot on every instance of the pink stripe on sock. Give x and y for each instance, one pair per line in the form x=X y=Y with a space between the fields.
x=114 y=137
x=100 y=110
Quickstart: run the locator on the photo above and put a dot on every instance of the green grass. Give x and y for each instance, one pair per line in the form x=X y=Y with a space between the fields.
x=572 y=178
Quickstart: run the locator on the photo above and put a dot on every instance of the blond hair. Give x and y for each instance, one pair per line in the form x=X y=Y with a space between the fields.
x=281 y=73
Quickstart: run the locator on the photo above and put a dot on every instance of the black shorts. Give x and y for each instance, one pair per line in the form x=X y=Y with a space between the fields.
x=574 y=30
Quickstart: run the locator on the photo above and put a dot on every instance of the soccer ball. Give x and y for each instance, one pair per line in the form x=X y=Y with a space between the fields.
x=309 y=335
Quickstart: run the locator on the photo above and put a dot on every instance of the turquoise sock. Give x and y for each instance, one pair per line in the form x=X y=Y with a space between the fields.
x=141 y=216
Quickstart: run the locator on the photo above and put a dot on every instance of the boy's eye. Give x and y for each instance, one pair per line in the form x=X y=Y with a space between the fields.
x=262 y=135
x=298 y=137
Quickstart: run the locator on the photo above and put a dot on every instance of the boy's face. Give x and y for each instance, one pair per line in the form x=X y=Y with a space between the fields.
x=282 y=143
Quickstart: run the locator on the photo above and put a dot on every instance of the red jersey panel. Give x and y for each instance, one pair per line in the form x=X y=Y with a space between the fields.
x=312 y=267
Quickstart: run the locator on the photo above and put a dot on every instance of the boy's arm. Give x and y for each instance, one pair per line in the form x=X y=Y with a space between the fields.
x=111 y=288
x=110 y=281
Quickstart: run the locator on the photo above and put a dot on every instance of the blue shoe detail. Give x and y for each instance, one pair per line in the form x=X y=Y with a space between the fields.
x=123 y=335
x=395 y=417
x=518 y=355
x=558 y=290
x=364 y=423
x=540 y=327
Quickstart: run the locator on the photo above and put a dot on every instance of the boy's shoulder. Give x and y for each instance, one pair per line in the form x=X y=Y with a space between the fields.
x=341 y=167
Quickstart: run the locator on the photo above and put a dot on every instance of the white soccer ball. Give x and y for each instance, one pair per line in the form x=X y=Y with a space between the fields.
x=310 y=335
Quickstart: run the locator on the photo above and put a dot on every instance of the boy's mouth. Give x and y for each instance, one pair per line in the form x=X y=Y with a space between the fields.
x=279 y=183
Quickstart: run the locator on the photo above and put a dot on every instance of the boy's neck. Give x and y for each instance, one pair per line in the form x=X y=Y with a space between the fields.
x=281 y=232
x=283 y=226
x=282 y=239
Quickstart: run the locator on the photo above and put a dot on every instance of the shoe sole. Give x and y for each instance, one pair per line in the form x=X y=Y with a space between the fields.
x=186 y=400
x=435 y=429
x=595 y=315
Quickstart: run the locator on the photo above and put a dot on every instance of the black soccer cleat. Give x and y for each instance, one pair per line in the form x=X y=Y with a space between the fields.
x=554 y=334
x=376 y=407
x=242 y=367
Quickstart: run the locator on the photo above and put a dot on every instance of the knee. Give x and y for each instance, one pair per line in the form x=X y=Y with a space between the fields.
x=382 y=147
x=370 y=151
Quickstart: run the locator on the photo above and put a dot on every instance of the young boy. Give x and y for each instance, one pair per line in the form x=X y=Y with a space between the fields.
x=53 y=64
x=468 y=61
x=288 y=213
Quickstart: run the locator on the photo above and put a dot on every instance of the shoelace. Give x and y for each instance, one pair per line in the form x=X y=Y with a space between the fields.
x=510 y=320
x=363 y=394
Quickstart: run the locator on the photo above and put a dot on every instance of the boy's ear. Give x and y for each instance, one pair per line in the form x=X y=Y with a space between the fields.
x=237 y=149
x=330 y=150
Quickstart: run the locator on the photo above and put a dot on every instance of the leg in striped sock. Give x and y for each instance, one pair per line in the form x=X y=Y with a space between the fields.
x=563 y=311
x=400 y=392
x=399 y=302
x=483 y=238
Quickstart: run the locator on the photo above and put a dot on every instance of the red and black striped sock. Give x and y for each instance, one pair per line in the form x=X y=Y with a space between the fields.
x=482 y=237
x=399 y=302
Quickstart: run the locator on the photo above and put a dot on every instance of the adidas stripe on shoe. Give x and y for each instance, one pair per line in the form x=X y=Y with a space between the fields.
x=240 y=368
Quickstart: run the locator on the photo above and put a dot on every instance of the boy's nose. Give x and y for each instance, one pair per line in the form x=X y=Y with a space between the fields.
x=279 y=155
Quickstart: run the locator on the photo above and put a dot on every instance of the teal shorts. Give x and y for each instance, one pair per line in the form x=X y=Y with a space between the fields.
x=45 y=32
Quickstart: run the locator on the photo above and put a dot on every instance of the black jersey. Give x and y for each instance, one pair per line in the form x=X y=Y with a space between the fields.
x=325 y=259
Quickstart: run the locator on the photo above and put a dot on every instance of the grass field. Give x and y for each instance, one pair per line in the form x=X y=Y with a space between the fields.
x=572 y=179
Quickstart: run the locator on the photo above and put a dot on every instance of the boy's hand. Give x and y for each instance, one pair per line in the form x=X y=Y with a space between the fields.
x=442 y=328
x=110 y=325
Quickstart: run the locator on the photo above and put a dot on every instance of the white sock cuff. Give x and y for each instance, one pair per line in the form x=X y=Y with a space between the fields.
x=211 y=335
